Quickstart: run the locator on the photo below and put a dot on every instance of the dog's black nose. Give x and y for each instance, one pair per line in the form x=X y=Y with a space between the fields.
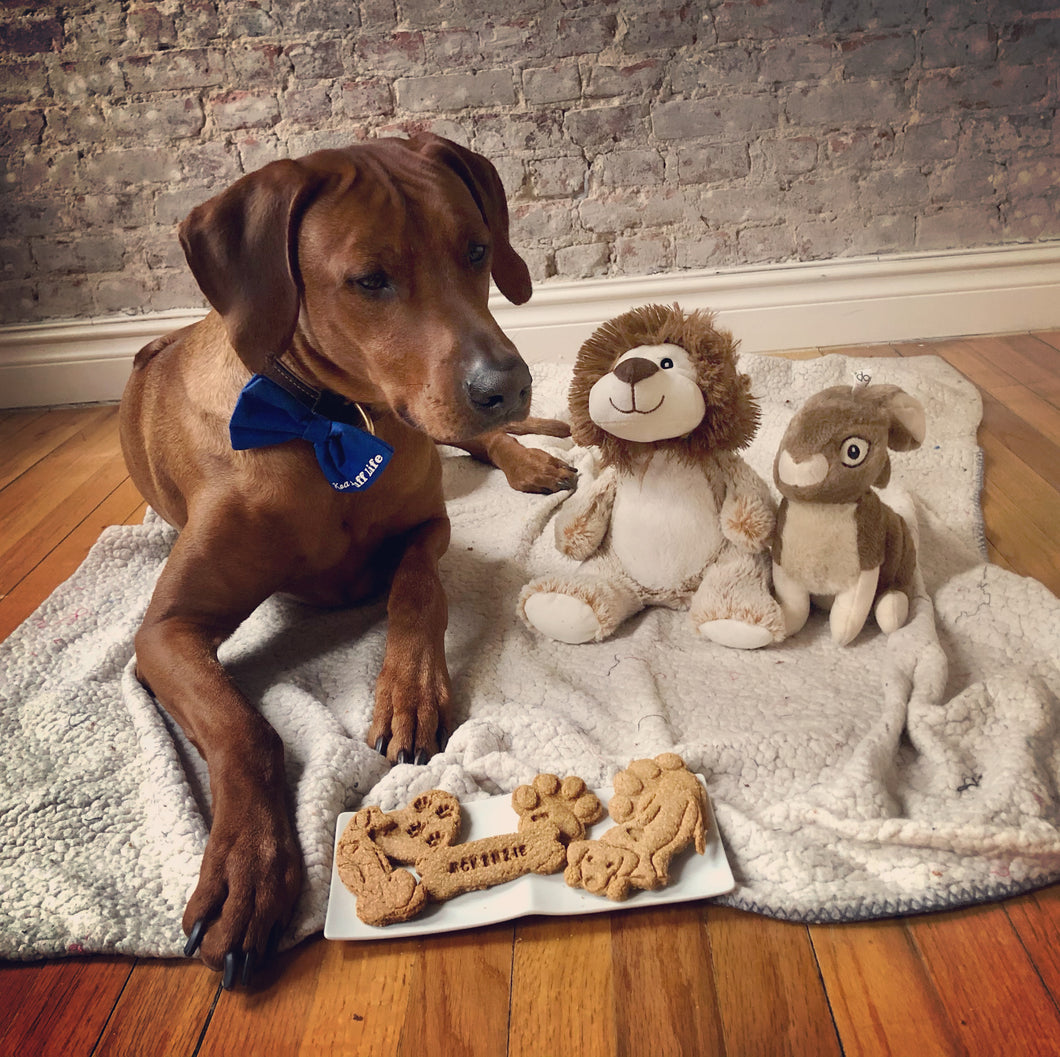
x=499 y=390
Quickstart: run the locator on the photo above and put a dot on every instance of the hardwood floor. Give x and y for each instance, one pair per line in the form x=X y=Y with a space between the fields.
x=693 y=979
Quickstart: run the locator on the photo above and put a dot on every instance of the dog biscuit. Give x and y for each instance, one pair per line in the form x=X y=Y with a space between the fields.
x=431 y=820
x=660 y=808
x=566 y=803
x=492 y=861
x=552 y=812
x=384 y=895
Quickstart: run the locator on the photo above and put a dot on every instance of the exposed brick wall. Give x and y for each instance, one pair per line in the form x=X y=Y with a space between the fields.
x=634 y=136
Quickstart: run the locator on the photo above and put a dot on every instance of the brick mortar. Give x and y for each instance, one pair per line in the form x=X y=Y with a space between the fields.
x=634 y=138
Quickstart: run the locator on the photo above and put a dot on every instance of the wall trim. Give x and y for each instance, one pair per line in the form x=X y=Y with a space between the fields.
x=774 y=308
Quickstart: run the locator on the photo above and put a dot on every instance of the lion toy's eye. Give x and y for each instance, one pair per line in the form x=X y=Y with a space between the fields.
x=854 y=451
x=666 y=363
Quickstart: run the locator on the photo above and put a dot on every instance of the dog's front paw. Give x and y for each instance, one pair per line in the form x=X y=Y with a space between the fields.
x=535 y=470
x=411 y=720
x=249 y=882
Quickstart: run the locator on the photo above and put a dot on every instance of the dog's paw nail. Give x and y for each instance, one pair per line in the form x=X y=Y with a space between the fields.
x=403 y=756
x=249 y=965
x=380 y=745
x=194 y=937
x=421 y=758
x=443 y=737
x=231 y=970
x=273 y=944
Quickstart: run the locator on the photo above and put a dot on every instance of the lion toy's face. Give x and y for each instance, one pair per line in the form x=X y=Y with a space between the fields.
x=650 y=394
x=658 y=377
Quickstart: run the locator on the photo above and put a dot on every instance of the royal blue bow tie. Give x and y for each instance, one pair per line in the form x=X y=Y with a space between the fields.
x=266 y=413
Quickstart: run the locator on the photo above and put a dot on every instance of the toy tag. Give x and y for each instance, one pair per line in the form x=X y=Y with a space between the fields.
x=861 y=379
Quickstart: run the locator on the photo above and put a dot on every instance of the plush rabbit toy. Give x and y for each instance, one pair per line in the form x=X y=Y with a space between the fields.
x=835 y=539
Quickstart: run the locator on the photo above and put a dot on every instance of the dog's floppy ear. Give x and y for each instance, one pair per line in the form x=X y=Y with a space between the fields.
x=509 y=270
x=241 y=246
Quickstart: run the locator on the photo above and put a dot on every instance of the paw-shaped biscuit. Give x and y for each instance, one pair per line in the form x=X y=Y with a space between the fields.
x=635 y=786
x=566 y=804
x=429 y=822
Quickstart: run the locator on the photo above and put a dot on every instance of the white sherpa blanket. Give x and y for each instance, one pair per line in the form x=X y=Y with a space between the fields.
x=899 y=774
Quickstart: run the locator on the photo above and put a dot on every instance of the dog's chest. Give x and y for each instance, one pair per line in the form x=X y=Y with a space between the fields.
x=664 y=525
x=819 y=545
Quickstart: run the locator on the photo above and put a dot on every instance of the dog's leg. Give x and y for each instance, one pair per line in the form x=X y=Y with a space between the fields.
x=251 y=871
x=527 y=469
x=412 y=720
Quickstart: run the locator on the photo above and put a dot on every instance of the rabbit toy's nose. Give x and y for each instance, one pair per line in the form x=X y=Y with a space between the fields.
x=801 y=474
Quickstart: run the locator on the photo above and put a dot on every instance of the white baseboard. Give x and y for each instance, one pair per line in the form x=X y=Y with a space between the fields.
x=770 y=309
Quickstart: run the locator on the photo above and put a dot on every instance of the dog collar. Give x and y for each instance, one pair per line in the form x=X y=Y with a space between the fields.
x=278 y=406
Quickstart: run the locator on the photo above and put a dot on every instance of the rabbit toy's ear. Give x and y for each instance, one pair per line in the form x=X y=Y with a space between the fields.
x=907 y=420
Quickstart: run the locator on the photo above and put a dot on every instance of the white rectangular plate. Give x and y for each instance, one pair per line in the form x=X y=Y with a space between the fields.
x=692 y=876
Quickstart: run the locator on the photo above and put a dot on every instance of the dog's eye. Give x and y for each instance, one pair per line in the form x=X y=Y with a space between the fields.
x=373 y=282
x=854 y=451
x=666 y=363
x=476 y=252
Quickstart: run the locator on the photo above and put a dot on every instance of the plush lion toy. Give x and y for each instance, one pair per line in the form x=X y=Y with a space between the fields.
x=675 y=517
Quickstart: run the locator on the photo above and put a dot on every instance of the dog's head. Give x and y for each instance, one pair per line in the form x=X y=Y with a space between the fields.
x=658 y=378
x=373 y=263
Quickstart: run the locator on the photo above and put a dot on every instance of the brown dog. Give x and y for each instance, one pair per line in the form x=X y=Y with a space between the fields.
x=358 y=279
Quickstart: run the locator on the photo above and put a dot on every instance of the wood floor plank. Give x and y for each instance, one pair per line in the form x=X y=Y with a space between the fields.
x=995 y=999
x=1028 y=549
x=1021 y=438
x=1037 y=412
x=12 y=423
x=562 y=986
x=770 y=997
x=665 y=1001
x=62 y=1006
x=57 y=523
x=1036 y=919
x=43 y=489
x=882 y=351
x=41 y=434
x=1049 y=337
x=1022 y=356
x=966 y=357
x=344 y=1000
x=882 y=998
x=63 y=560
x=1029 y=492
x=461 y=992
x=161 y=1011
x=136 y=517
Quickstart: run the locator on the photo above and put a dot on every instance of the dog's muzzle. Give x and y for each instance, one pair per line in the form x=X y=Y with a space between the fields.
x=499 y=393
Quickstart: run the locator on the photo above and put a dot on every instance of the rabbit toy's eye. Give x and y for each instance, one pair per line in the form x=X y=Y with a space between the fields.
x=854 y=451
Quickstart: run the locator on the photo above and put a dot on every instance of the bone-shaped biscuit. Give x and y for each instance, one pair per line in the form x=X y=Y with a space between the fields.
x=491 y=861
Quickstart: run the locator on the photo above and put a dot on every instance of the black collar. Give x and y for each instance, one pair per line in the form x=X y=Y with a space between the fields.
x=320 y=401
